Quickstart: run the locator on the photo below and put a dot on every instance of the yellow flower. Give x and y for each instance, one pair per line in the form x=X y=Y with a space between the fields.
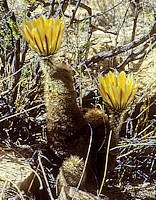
x=43 y=35
x=116 y=89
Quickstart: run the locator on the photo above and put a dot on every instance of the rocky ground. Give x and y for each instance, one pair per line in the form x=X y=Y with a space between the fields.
x=134 y=174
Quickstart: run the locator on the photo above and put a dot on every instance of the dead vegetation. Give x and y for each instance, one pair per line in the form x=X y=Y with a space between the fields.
x=100 y=36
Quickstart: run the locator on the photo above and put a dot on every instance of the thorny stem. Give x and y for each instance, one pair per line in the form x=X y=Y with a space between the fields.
x=65 y=122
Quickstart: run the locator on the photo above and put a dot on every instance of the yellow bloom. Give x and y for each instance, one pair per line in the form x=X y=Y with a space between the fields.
x=116 y=89
x=43 y=35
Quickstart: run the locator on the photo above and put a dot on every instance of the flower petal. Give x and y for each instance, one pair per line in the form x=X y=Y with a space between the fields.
x=116 y=89
x=44 y=35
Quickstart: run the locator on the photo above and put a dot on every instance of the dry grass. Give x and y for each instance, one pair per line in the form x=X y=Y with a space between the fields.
x=22 y=110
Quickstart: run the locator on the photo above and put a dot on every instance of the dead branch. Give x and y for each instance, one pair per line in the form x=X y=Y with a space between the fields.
x=150 y=36
x=74 y=11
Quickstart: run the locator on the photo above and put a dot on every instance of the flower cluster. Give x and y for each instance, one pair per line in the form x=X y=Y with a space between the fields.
x=116 y=89
x=43 y=35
